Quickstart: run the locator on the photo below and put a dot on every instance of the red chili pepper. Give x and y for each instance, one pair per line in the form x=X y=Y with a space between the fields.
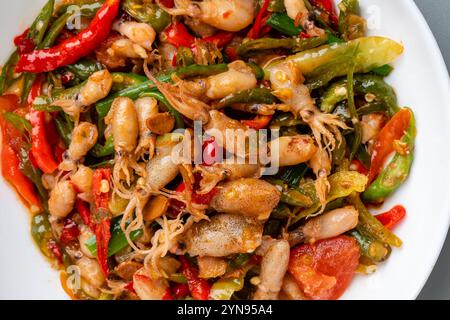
x=259 y=122
x=204 y=199
x=72 y=49
x=12 y=173
x=167 y=295
x=391 y=218
x=304 y=35
x=177 y=35
x=69 y=233
x=180 y=290
x=129 y=287
x=232 y=53
x=255 y=31
x=56 y=250
x=358 y=166
x=101 y=199
x=210 y=154
x=40 y=144
x=198 y=287
x=328 y=7
x=167 y=3
x=102 y=236
x=220 y=39
x=384 y=144
x=85 y=214
x=24 y=45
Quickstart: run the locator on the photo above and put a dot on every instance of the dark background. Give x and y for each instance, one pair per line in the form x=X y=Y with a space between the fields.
x=436 y=13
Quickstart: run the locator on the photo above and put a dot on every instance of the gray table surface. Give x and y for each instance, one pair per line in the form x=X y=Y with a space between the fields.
x=436 y=13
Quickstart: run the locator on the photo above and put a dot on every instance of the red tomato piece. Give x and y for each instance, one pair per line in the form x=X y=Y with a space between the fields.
x=325 y=269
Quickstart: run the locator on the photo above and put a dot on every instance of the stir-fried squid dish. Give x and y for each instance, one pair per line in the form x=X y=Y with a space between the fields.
x=214 y=149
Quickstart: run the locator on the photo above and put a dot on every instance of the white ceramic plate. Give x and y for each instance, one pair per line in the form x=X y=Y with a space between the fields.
x=421 y=81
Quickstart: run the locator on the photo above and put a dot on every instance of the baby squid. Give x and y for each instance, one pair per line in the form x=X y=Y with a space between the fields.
x=127 y=49
x=253 y=198
x=292 y=150
x=62 y=198
x=141 y=34
x=96 y=88
x=223 y=235
x=82 y=179
x=228 y=15
x=145 y=109
x=84 y=137
x=273 y=269
x=125 y=130
x=296 y=10
x=91 y=272
x=327 y=225
x=239 y=77
x=147 y=287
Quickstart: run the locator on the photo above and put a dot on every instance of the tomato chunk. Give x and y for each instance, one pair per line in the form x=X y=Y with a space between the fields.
x=325 y=269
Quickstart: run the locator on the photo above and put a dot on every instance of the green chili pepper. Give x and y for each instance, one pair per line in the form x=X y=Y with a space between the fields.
x=282 y=23
x=371 y=248
x=338 y=154
x=134 y=91
x=31 y=172
x=351 y=24
x=357 y=134
x=37 y=33
x=251 y=48
x=294 y=196
x=197 y=70
x=54 y=31
x=64 y=130
x=370 y=225
x=371 y=107
x=103 y=164
x=121 y=80
x=118 y=240
x=363 y=84
x=383 y=71
x=256 y=95
x=20 y=123
x=145 y=11
x=84 y=68
x=336 y=60
x=223 y=289
x=44 y=102
x=396 y=172
x=342 y=184
x=179 y=122
x=363 y=156
x=100 y=151
x=257 y=70
x=294 y=174
x=281 y=212
x=7 y=75
x=185 y=57
x=285 y=119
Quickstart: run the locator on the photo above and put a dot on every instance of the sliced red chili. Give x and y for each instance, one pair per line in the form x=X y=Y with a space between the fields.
x=255 y=31
x=101 y=197
x=55 y=250
x=102 y=236
x=180 y=290
x=69 y=233
x=199 y=288
x=72 y=49
x=85 y=213
x=259 y=122
x=177 y=35
x=358 y=166
x=384 y=144
x=220 y=39
x=393 y=217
